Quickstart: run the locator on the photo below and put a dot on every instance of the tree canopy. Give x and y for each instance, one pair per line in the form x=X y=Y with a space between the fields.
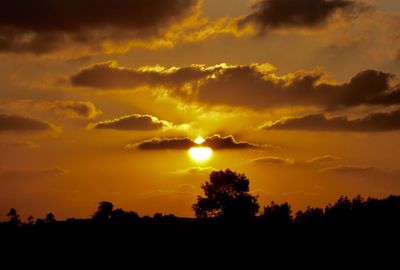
x=227 y=196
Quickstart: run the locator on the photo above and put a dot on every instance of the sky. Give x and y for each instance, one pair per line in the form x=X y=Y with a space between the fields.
x=101 y=101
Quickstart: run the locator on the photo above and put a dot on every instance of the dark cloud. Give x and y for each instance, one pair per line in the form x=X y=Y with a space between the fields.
x=273 y=161
x=251 y=87
x=132 y=122
x=272 y=14
x=164 y=144
x=16 y=123
x=228 y=142
x=376 y=122
x=71 y=109
x=215 y=142
x=108 y=76
x=254 y=86
x=45 y=25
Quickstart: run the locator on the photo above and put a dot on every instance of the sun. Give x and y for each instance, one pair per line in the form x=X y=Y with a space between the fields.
x=200 y=153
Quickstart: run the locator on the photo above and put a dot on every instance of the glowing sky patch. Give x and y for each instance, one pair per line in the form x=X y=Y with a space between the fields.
x=200 y=153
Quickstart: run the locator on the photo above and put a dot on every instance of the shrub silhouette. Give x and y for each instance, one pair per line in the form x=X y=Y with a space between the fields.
x=13 y=218
x=276 y=214
x=50 y=218
x=120 y=216
x=312 y=216
x=226 y=196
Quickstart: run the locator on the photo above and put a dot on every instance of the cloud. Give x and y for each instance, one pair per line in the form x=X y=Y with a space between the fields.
x=254 y=86
x=164 y=144
x=183 y=190
x=195 y=170
x=19 y=172
x=375 y=122
x=215 y=142
x=273 y=161
x=26 y=144
x=44 y=26
x=109 y=75
x=228 y=142
x=132 y=122
x=323 y=160
x=273 y=14
x=17 y=123
x=71 y=109
x=349 y=169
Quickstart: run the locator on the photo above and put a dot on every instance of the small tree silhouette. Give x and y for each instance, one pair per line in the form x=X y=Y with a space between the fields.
x=104 y=211
x=226 y=196
x=30 y=220
x=13 y=217
x=50 y=218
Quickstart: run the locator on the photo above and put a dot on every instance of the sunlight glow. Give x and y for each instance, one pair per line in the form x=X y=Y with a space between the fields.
x=200 y=153
x=199 y=140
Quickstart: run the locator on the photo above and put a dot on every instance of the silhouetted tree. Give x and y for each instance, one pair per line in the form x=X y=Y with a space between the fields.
x=50 y=218
x=30 y=220
x=120 y=216
x=276 y=214
x=104 y=211
x=312 y=216
x=340 y=212
x=13 y=217
x=226 y=196
x=157 y=216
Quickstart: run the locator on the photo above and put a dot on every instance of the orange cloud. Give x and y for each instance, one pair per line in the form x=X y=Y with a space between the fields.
x=132 y=122
x=273 y=161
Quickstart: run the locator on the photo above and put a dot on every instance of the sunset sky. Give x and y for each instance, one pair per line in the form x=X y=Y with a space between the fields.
x=102 y=100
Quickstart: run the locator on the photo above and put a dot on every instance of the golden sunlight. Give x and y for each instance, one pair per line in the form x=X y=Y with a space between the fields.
x=199 y=140
x=200 y=153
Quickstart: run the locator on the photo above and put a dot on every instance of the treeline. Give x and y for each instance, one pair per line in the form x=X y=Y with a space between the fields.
x=228 y=200
x=345 y=211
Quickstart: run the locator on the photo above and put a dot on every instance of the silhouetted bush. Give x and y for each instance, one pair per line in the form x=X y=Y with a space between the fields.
x=277 y=215
x=312 y=216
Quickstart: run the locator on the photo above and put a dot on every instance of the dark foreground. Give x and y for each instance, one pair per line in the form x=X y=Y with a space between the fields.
x=341 y=235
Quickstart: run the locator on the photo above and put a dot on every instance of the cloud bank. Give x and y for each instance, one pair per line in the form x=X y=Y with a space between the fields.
x=44 y=26
x=376 y=122
x=254 y=86
x=215 y=142
x=272 y=14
